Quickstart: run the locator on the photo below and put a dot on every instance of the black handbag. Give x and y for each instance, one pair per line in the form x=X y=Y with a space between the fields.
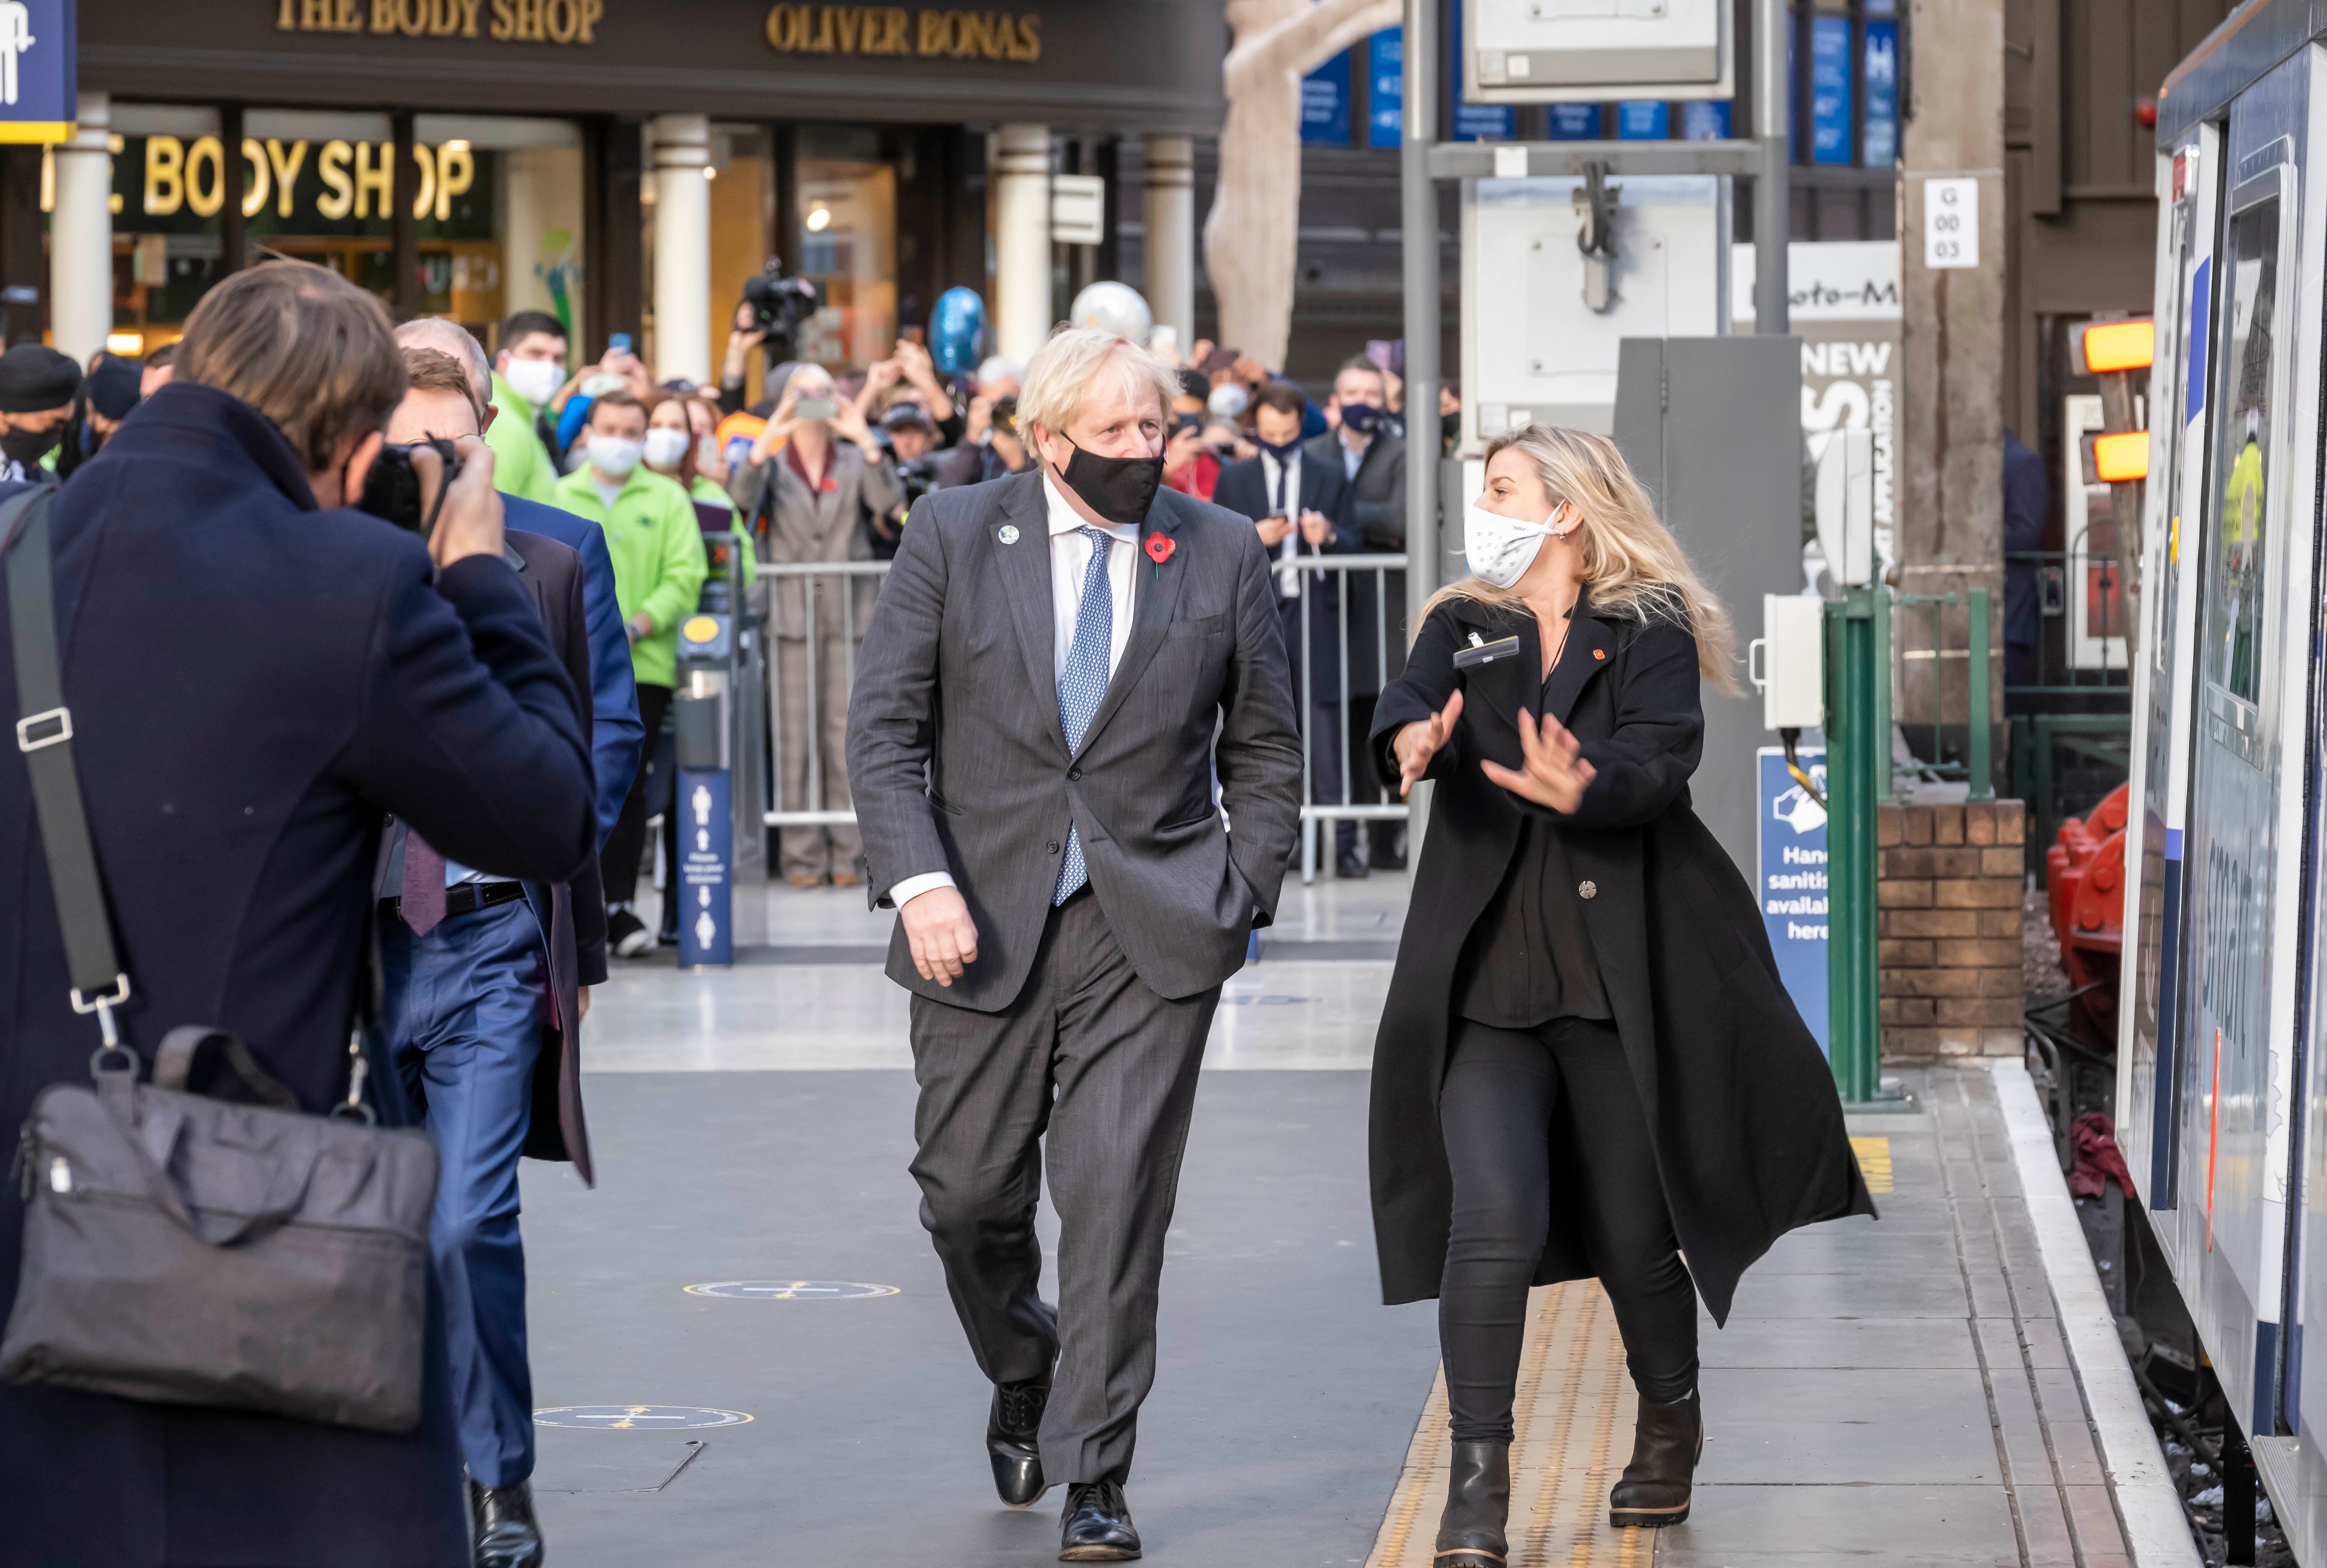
x=180 y=1248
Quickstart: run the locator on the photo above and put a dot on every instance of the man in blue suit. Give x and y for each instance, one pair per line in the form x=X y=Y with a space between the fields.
x=256 y=672
x=485 y=979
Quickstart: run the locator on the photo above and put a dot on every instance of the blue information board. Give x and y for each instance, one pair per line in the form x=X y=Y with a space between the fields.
x=1705 y=120
x=705 y=891
x=1643 y=122
x=1881 y=139
x=1325 y=103
x=1386 y=87
x=37 y=71
x=1831 y=89
x=1571 y=122
x=1791 y=881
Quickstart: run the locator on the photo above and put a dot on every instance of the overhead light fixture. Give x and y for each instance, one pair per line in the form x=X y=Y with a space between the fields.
x=2118 y=346
x=820 y=219
x=128 y=344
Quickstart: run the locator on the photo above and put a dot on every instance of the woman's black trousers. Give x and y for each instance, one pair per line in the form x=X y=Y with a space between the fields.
x=1532 y=1119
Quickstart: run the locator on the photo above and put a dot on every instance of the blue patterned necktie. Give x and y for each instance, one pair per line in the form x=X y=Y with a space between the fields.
x=1081 y=685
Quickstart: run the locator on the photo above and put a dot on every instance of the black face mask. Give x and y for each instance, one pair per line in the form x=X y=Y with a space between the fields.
x=1281 y=451
x=1118 y=488
x=29 y=447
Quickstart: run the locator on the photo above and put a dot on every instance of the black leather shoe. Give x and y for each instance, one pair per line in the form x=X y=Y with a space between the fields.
x=1351 y=866
x=507 y=1536
x=1666 y=1442
x=1012 y=1424
x=1097 y=1525
x=1478 y=1503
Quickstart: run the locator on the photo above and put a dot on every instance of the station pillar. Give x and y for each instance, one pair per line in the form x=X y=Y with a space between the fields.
x=81 y=235
x=1171 y=234
x=682 y=249
x=1022 y=239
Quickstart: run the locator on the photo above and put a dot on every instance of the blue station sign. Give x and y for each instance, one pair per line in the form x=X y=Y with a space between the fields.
x=38 y=51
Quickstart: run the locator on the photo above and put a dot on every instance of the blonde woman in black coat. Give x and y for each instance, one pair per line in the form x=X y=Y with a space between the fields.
x=1587 y=1064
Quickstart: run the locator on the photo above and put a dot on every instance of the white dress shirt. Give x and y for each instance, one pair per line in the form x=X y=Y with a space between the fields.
x=1288 y=579
x=1070 y=554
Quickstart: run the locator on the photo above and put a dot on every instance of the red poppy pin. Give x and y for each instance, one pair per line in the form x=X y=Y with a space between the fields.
x=1599 y=653
x=1160 y=547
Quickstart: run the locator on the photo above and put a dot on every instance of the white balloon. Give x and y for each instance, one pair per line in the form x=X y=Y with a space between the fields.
x=1114 y=307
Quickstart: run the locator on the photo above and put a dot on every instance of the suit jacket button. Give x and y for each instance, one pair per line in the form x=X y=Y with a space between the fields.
x=1074 y=775
x=1052 y=846
x=1588 y=890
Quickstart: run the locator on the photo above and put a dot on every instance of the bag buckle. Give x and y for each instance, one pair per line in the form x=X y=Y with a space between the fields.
x=36 y=731
x=103 y=1006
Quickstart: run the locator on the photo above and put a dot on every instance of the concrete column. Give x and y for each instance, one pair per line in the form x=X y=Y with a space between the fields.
x=1950 y=527
x=1172 y=233
x=682 y=248
x=81 y=235
x=1022 y=239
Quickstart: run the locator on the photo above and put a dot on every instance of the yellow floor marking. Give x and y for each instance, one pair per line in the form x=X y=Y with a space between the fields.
x=1873 y=1162
x=1572 y=1420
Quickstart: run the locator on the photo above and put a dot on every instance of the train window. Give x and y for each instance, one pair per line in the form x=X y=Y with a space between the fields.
x=2232 y=651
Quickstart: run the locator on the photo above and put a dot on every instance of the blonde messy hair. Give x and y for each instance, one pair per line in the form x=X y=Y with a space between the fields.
x=1060 y=378
x=1631 y=562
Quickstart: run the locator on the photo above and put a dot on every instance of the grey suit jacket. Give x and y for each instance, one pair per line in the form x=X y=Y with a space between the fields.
x=958 y=762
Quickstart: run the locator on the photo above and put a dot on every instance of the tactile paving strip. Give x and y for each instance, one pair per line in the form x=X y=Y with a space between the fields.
x=1574 y=1426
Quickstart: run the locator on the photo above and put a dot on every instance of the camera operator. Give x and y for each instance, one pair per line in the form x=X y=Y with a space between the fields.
x=772 y=308
x=910 y=458
x=37 y=385
x=256 y=672
x=909 y=376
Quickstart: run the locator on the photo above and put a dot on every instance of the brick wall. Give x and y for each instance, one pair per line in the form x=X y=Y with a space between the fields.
x=1949 y=890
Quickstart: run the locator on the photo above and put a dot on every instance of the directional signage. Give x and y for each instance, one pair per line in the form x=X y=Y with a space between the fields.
x=707 y=937
x=792 y=1290
x=37 y=71
x=635 y=1417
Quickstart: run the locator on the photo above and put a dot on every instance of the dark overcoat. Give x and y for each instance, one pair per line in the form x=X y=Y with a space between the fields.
x=1739 y=1100
x=253 y=682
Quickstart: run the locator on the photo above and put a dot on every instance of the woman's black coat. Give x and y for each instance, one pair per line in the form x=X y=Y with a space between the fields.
x=1739 y=1099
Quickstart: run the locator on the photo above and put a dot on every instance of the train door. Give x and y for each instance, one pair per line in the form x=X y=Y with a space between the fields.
x=2178 y=401
x=2235 y=1070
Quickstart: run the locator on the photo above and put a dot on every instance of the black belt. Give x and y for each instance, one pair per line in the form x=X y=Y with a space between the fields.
x=462 y=899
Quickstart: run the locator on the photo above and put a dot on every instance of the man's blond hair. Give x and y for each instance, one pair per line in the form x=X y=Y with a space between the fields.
x=1062 y=375
x=303 y=346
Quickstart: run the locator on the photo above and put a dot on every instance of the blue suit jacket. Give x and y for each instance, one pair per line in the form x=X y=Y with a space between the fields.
x=616 y=735
x=253 y=682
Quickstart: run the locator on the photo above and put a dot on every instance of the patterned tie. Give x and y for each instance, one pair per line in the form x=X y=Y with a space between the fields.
x=1081 y=685
x=422 y=903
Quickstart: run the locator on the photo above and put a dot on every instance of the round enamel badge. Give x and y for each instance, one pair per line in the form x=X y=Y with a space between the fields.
x=1009 y=534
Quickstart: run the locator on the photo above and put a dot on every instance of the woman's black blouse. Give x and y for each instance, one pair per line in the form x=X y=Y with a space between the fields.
x=1530 y=959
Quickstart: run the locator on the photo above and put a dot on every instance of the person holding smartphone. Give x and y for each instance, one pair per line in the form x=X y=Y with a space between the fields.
x=812 y=484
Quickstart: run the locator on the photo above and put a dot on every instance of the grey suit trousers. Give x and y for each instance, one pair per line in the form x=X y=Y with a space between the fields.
x=1090 y=1055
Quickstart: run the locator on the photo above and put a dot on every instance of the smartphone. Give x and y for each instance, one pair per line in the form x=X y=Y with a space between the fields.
x=620 y=343
x=816 y=408
x=1219 y=360
x=392 y=489
x=1184 y=423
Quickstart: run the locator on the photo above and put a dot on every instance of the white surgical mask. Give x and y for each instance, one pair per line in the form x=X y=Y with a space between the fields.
x=535 y=380
x=615 y=455
x=1501 y=549
x=664 y=447
x=1228 y=401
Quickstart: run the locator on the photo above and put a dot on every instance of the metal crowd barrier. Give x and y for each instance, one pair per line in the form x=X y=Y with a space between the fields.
x=837 y=595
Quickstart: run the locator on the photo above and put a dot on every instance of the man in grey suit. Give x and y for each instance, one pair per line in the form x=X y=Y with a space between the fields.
x=1032 y=743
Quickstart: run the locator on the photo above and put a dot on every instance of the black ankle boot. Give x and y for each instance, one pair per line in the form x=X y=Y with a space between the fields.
x=1478 y=1502
x=1666 y=1443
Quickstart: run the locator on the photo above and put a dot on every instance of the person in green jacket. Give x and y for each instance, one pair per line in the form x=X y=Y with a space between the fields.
x=527 y=373
x=658 y=570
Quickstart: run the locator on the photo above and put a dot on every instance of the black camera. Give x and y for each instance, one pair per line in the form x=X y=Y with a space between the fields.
x=779 y=304
x=392 y=489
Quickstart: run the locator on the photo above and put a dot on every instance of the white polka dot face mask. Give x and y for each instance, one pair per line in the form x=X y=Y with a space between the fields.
x=1501 y=549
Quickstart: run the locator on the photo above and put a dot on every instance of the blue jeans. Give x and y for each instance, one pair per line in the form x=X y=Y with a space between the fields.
x=463 y=1014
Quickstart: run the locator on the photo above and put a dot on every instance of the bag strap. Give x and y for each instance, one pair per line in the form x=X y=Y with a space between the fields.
x=44 y=735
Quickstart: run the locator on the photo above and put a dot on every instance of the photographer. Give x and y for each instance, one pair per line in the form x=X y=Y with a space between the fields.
x=256 y=672
x=911 y=375
x=816 y=479
x=910 y=439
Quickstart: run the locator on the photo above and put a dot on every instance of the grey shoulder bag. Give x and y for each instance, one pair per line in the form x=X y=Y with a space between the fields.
x=181 y=1249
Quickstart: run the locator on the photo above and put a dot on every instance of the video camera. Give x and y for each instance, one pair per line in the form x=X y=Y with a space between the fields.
x=779 y=305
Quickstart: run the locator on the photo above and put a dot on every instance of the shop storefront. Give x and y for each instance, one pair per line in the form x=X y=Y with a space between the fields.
x=623 y=164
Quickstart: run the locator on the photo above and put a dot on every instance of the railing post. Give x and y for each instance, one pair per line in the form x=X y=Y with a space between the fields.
x=1886 y=677
x=1980 y=771
x=1853 y=758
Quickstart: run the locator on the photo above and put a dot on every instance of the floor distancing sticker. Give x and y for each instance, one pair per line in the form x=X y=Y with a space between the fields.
x=1573 y=1433
x=1873 y=1162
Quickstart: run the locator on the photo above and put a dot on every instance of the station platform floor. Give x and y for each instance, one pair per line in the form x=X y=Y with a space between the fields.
x=1901 y=1392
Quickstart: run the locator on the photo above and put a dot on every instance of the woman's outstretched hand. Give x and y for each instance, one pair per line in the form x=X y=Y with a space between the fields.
x=1419 y=742
x=1557 y=774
